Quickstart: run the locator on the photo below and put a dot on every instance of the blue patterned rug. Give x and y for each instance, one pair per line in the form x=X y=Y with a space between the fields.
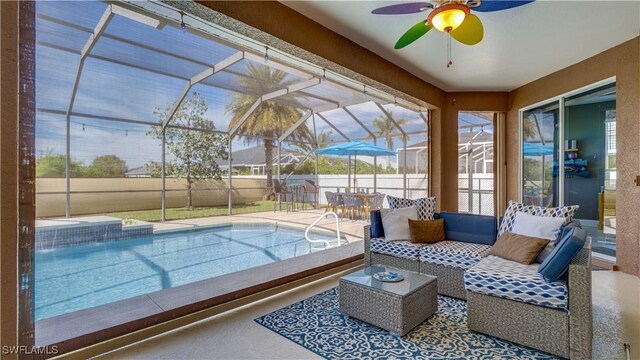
x=316 y=324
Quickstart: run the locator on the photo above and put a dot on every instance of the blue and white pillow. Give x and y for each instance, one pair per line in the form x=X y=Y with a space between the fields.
x=426 y=206
x=566 y=212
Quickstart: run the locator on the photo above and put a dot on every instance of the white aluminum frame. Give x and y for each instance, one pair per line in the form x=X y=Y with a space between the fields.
x=297 y=67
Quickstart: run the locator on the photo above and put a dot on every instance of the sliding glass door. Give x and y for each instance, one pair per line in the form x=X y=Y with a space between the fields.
x=540 y=134
x=590 y=163
x=569 y=158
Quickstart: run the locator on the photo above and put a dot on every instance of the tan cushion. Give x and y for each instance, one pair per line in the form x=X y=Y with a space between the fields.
x=518 y=248
x=428 y=231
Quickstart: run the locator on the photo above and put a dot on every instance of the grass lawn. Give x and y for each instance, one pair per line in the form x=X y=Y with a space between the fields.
x=181 y=213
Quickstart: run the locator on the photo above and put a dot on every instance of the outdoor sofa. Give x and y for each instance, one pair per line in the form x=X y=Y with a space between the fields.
x=505 y=299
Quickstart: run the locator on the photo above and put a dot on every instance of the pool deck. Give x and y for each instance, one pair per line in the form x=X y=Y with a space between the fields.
x=352 y=230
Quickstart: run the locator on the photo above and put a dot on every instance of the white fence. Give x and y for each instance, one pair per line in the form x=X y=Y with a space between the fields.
x=477 y=198
x=107 y=195
x=390 y=184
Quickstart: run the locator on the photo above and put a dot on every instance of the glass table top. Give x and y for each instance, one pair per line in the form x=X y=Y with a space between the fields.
x=412 y=280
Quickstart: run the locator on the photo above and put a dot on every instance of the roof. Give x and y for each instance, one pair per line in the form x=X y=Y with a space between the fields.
x=463 y=138
x=256 y=155
x=144 y=170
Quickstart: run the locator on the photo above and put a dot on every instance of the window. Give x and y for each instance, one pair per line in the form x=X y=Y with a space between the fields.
x=475 y=162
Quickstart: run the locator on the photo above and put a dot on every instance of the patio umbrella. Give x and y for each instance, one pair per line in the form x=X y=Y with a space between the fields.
x=354 y=148
x=537 y=149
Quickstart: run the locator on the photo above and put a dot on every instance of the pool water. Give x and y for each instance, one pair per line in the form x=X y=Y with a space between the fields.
x=75 y=278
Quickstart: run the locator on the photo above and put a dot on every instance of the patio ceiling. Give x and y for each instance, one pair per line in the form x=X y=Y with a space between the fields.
x=520 y=45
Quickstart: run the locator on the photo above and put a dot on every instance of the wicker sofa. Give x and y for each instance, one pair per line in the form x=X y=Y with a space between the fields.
x=469 y=238
x=560 y=324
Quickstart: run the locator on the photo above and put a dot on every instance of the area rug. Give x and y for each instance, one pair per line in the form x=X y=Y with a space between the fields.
x=316 y=324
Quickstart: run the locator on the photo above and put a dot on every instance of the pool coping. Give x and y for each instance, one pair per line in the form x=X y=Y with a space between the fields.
x=85 y=327
x=320 y=229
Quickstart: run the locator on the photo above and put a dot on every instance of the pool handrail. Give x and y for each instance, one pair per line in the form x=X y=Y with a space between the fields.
x=327 y=244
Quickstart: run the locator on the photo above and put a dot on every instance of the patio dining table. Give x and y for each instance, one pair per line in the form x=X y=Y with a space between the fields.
x=366 y=197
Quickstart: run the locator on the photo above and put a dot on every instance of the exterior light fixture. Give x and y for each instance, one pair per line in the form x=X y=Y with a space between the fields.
x=266 y=55
x=183 y=26
x=448 y=17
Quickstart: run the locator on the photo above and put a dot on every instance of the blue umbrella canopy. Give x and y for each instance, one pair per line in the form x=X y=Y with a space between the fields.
x=537 y=149
x=355 y=148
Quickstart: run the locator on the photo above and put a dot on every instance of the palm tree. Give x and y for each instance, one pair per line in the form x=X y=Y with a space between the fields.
x=324 y=139
x=271 y=118
x=387 y=130
x=529 y=127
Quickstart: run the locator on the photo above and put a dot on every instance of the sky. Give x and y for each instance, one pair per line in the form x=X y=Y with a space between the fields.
x=116 y=90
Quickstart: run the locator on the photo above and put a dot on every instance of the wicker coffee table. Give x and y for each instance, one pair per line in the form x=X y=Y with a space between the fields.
x=396 y=307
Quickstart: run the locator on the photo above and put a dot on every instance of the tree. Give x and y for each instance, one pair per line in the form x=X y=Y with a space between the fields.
x=196 y=147
x=271 y=118
x=388 y=131
x=55 y=166
x=324 y=139
x=108 y=166
x=530 y=128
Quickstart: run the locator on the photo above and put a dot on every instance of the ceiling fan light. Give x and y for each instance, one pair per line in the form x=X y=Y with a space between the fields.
x=448 y=17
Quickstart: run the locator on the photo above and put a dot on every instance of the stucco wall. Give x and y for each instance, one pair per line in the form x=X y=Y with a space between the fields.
x=623 y=62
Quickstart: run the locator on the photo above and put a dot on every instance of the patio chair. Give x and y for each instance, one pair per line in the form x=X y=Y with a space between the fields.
x=310 y=187
x=334 y=202
x=340 y=203
x=280 y=188
x=376 y=202
x=351 y=204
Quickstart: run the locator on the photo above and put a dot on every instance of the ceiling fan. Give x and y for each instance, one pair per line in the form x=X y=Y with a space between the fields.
x=450 y=16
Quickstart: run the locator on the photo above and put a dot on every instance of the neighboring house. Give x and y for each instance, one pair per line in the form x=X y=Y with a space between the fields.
x=417 y=158
x=254 y=158
x=477 y=145
x=143 y=171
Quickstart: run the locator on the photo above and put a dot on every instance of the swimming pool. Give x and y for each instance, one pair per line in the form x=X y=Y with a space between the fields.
x=81 y=277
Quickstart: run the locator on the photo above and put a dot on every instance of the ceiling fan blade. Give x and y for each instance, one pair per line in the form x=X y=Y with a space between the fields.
x=398 y=9
x=497 y=5
x=470 y=32
x=413 y=34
